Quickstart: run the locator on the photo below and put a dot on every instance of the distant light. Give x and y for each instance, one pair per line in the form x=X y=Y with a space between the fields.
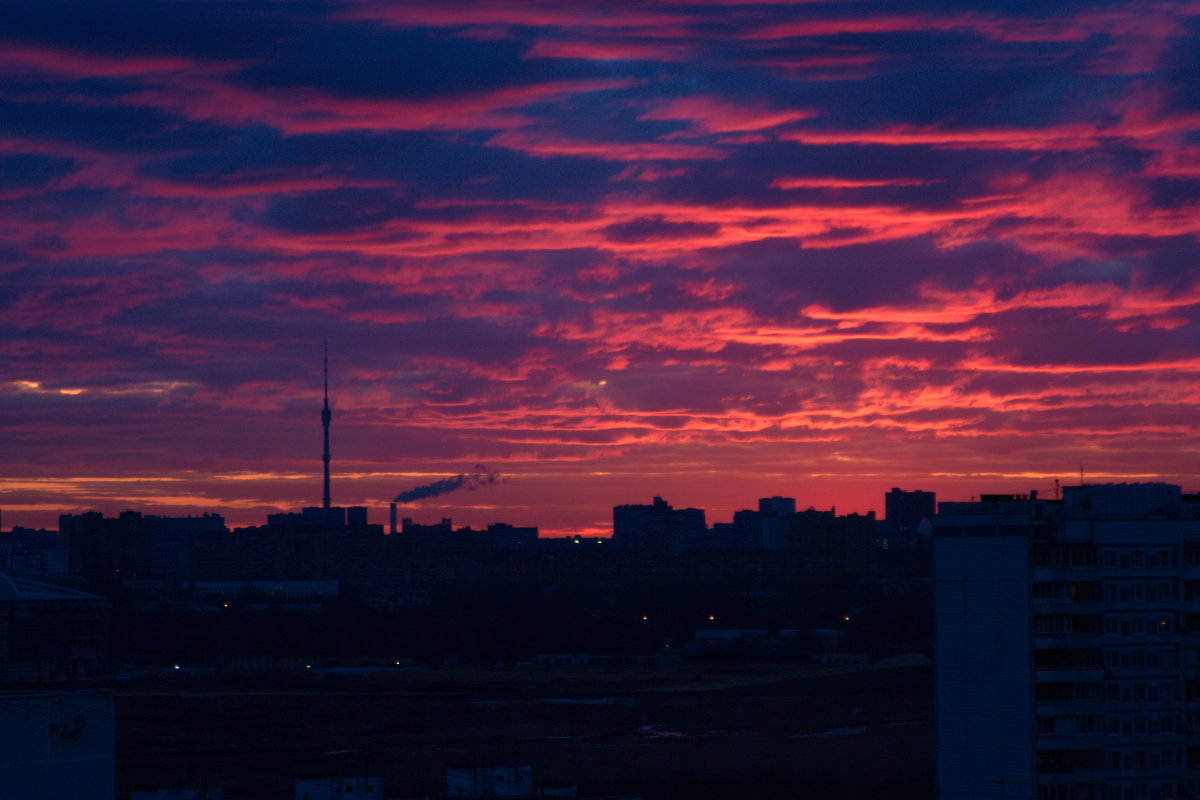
x=711 y=617
x=846 y=618
x=308 y=666
x=174 y=666
x=397 y=663
x=604 y=383
x=226 y=605
x=644 y=618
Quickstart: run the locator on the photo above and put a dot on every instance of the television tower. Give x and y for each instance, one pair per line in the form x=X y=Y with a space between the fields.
x=326 y=416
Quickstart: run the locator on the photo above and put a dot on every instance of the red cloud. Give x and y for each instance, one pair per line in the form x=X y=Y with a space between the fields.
x=297 y=111
x=717 y=115
x=615 y=50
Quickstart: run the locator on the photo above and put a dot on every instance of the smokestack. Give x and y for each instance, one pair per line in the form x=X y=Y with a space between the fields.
x=393 y=518
x=326 y=416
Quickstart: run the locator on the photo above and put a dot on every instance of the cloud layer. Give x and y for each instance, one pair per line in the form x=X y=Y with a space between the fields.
x=714 y=251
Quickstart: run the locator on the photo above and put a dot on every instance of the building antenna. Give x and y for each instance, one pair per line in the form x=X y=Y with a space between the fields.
x=326 y=416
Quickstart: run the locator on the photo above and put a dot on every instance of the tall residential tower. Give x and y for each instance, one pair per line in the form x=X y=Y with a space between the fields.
x=1068 y=645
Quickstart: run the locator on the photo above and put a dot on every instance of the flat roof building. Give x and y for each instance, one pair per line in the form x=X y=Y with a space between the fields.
x=1068 y=645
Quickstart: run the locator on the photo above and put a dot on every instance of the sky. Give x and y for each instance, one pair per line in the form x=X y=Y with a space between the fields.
x=712 y=251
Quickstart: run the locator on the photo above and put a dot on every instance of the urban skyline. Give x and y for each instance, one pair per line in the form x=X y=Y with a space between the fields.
x=710 y=251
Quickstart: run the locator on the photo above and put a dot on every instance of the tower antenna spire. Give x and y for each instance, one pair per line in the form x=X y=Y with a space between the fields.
x=326 y=416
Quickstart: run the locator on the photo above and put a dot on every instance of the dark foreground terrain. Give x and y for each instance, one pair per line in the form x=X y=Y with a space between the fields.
x=719 y=732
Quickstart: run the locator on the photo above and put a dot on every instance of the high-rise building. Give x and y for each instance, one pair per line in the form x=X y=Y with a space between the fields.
x=1068 y=645
x=659 y=529
x=903 y=511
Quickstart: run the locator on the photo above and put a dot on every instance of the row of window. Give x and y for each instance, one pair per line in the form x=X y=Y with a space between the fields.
x=1115 y=760
x=1140 y=692
x=1110 y=691
x=1142 y=791
x=1137 y=626
x=1114 y=592
x=1066 y=623
x=1068 y=591
x=1138 y=658
x=1088 y=555
x=1148 y=790
x=1142 y=759
x=1113 y=725
x=1139 y=593
x=1162 y=558
x=1113 y=624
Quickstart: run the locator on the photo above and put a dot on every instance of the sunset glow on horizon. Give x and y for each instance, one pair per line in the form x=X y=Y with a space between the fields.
x=712 y=251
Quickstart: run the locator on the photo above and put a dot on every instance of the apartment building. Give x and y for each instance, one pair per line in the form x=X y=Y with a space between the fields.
x=1068 y=634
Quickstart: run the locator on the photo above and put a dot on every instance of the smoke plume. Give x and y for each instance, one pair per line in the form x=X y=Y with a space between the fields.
x=481 y=476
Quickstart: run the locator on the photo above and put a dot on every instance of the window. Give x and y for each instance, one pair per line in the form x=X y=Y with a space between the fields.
x=1051 y=623
x=1045 y=590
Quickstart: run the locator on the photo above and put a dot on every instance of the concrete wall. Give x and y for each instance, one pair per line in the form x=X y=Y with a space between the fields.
x=984 y=681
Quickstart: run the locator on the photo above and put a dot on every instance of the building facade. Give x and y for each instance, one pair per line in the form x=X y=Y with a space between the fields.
x=659 y=529
x=50 y=632
x=1068 y=645
x=904 y=511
